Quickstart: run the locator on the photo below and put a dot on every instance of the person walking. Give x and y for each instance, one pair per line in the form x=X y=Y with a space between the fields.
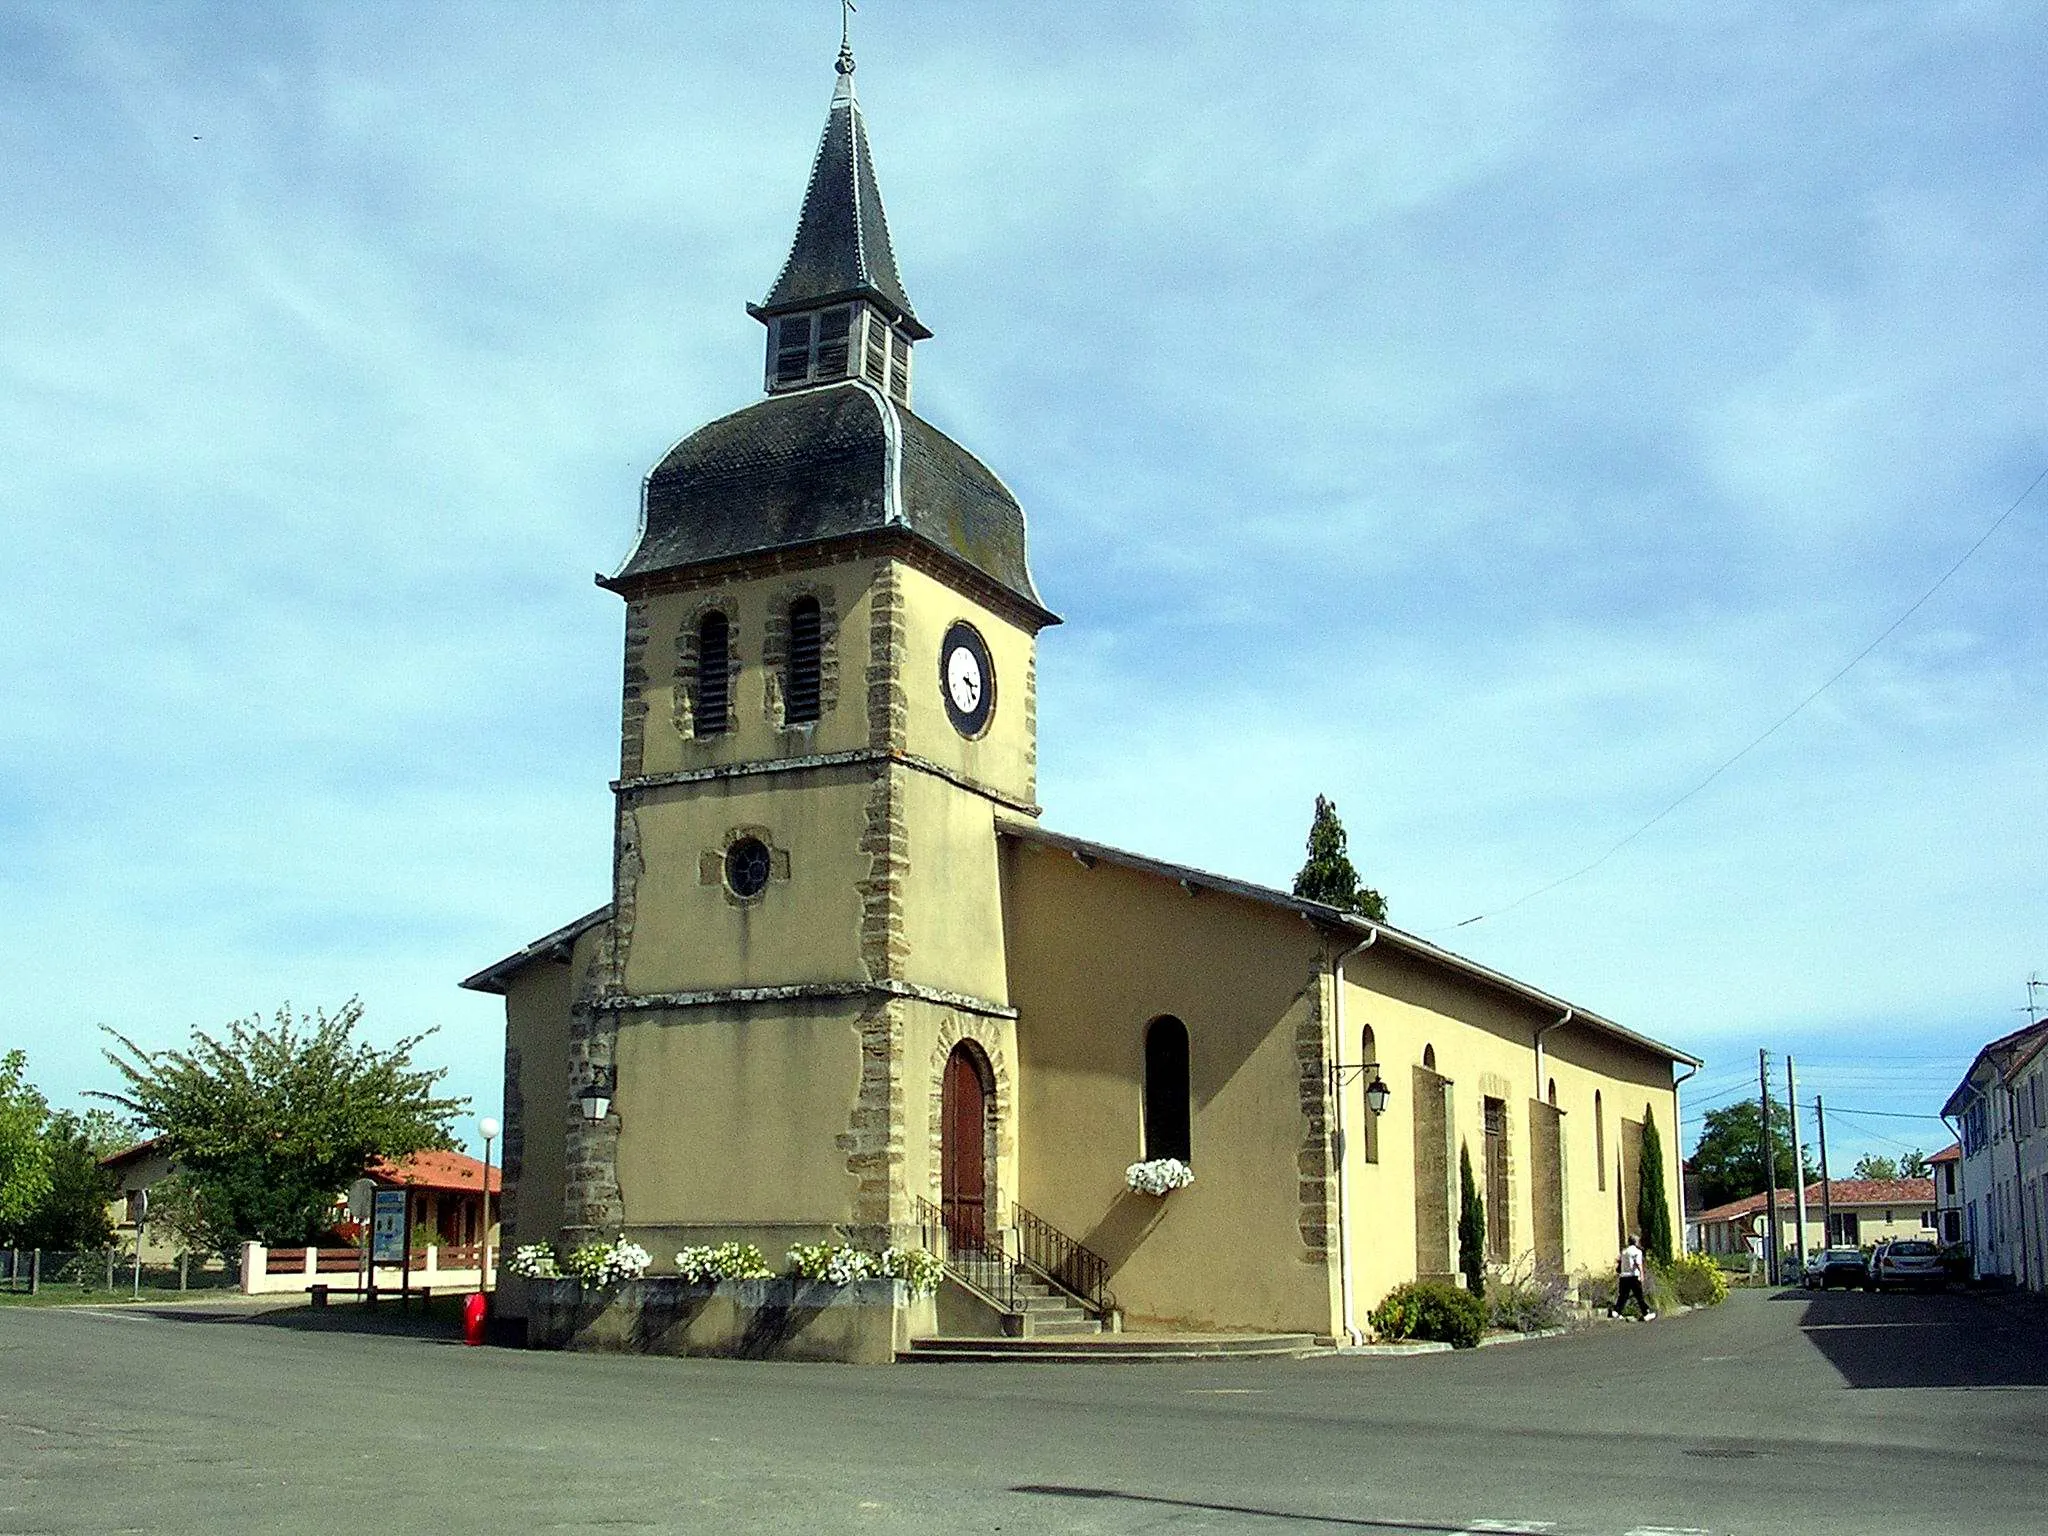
x=1629 y=1285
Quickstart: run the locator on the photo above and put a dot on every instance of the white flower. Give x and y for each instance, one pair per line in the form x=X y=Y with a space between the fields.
x=534 y=1261
x=1160 y=1176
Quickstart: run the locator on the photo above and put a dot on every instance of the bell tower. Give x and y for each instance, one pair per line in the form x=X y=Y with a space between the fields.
x=829 y=702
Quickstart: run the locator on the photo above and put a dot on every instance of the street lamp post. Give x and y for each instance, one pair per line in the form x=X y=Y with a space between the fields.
x=489 y=1127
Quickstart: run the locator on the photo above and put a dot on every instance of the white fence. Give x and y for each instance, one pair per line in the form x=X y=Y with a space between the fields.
x=270 y=1271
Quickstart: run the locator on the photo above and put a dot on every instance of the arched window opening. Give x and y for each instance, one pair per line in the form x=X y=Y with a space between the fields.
x=1168 y=1128
x=1369 y=1059
x=1429 y=1058
x=1553 y=1093
x=801 y=696
x=714 y=675
x=1600 y=1138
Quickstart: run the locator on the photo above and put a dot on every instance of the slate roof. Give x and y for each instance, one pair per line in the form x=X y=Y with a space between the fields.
x=2002 y=1056
x=1862 y=1193
x=842 y=245
x=552 y=946
x=820 y=464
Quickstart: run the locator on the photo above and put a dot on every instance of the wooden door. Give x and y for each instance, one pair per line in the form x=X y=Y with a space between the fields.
x=963 y=1150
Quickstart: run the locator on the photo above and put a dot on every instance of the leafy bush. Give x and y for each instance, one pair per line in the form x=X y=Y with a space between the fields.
x=1526 y=1302
x=1430 y=1309
x=1695 y=1279
x=1597 y=1290
x=728 y=1261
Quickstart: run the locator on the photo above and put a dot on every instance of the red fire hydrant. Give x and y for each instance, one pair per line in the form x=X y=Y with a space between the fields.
x=476 y=1311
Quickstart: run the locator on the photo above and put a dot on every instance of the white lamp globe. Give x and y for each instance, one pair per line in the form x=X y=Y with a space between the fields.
x=489 y=1127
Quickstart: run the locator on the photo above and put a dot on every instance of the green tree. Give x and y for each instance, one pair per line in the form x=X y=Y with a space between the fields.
x=73 y=1212
x=1872 y=1165
x=24 y=1154
x=1916 y=1165
x=1471 y=1227
x=1728 y=1160
x=1328 y=875
x=1653 y=1203
x=268 y=1124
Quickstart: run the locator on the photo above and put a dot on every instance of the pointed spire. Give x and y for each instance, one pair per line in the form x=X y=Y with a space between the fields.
x=842 y=246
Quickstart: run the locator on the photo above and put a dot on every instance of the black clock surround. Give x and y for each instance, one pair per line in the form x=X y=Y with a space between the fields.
x=967 y=679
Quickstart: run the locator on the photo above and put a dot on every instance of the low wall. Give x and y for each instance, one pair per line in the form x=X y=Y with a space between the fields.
x=864 y=1323
x=267 y=1271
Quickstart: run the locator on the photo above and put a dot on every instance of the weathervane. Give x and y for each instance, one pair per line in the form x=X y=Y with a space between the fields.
x=846 y=10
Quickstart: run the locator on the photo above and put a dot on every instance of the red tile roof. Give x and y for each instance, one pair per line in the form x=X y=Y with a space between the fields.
x=433 y=1170
x=1841 y=1192
x=1952 y=1153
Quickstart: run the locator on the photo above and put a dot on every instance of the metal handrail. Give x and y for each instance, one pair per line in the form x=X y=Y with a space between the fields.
x=976 y=1258
x=1072 y=1266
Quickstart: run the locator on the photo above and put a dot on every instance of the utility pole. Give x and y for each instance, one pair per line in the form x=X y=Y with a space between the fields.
x=1763 y=1093
x=1827 y=1207
x=1798 y=1166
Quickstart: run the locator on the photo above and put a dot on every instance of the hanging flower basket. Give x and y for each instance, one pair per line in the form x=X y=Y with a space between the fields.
x=1160 y=1176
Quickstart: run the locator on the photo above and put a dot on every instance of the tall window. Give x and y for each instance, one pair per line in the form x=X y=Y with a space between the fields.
x=1167 y=1129
x=714 y=675
x=1495 y=1149
x=800 y=694
x=1600 y=1138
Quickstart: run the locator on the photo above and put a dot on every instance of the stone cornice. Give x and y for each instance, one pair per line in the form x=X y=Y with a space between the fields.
x=818 y=761
x=802 y=992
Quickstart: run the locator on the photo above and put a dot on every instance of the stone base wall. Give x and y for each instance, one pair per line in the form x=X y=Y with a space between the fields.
x=865 y=1323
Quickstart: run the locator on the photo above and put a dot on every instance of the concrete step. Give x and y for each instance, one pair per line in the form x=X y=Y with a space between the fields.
x=1109 y=1348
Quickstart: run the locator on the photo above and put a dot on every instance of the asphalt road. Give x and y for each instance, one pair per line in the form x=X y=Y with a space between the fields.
x=1873 y=1414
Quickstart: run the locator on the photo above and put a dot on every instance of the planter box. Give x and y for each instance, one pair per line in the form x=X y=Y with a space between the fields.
x=864 y=1323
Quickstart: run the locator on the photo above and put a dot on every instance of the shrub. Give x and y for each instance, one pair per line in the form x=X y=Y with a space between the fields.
x=1430 y=1309
x=1597 y=1290
x=1526 y=1302
x=1695 y=1279
x=728 y=1261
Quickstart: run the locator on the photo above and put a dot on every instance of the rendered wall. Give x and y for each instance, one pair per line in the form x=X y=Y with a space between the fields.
x=1095 y=955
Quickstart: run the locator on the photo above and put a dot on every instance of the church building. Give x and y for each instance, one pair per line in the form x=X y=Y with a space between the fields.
x=850 y=988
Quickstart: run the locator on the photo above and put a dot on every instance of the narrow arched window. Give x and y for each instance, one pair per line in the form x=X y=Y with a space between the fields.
x=800 y=691
x=1429 y=1058
x=1167 y=1129
x=1600 y=1138
x=714 y=675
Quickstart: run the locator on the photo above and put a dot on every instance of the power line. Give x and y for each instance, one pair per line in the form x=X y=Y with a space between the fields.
x=1782 y=721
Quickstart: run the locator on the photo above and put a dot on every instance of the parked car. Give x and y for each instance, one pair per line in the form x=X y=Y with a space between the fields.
x=1836 y=1266
x=1907 y=1261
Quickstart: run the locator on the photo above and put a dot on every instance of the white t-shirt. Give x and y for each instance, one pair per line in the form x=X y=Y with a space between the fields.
x=1632 y=1262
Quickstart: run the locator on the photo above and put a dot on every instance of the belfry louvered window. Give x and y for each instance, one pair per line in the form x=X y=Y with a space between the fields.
x=899 y=374
x=714 y=675
x=801 y=693
x=792 y=349
x=875 y=356
x=834 y=327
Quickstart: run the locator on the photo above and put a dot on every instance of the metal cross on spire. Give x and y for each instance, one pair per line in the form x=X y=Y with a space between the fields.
x=846 y=10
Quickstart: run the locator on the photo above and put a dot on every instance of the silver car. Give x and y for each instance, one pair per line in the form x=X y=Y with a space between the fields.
x=1909 y=1261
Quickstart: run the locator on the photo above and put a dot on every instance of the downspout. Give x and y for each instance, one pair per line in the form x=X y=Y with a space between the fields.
x=1569 y=1015
x=1678 y=1149
x=1335 y=1087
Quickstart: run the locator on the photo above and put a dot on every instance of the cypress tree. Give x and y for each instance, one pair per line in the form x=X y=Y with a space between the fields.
x=1471 y=1227
x=1653 y=1208
x=1328 y=876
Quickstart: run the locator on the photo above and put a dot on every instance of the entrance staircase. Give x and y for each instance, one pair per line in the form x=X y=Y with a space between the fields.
x=1043 y=1283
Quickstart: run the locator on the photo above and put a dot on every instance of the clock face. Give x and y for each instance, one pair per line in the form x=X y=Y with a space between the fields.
x=967 y=679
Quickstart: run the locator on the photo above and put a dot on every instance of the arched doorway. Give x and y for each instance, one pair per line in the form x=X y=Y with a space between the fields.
x=965 y=1093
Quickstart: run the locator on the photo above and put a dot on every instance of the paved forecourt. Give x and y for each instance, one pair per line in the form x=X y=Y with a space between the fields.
x=1893 y=1414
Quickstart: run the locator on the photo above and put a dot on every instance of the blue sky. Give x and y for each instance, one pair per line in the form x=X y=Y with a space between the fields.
x=1492 y=417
